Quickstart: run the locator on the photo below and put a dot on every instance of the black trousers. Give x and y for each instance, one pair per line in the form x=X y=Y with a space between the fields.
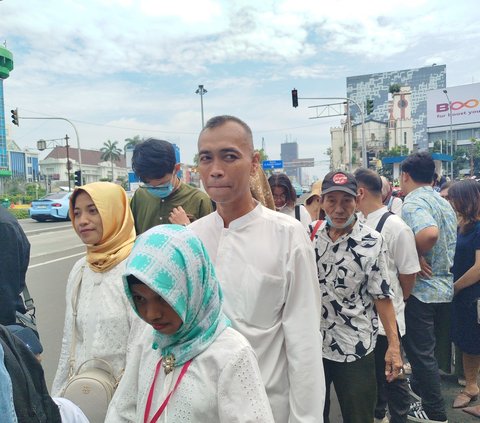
x=394 y=394
x=421 y=320
x=355 y=387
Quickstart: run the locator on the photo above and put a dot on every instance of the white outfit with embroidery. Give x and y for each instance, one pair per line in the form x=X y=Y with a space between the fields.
x=238 y=396
x=266 y=267
x=305 y=218
x=103 y=321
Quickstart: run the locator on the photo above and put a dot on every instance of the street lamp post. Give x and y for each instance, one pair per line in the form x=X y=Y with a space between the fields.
x=451 y=132
x=201 y=91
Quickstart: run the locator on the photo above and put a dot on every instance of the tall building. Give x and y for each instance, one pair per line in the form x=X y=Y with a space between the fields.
x=289 y=154
x=410 y=100
x=6 y=66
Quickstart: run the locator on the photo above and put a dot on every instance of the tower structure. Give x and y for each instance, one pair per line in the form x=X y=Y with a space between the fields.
x=6 y=66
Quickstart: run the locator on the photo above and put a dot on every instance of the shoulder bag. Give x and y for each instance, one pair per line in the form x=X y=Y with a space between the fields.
x=92 y=387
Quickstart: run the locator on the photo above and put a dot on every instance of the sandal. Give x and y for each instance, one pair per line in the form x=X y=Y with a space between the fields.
x=474 y=411
x=463 y=399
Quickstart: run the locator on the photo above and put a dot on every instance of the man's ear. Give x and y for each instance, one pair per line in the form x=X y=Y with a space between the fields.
x=176 y=169
x=255 y=163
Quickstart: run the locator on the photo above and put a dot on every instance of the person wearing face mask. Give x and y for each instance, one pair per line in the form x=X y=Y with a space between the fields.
x=353 y=277
x=163 y=198
x=285 y=198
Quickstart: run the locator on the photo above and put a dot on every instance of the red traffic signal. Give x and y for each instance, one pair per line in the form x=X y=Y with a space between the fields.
x=294 y=98
x=14 y=116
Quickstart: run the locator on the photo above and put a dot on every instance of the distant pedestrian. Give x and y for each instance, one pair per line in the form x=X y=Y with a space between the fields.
x=427 y=311
x=163 y=198
x=465 y=198
x=313 y=203
x=285 y=199
x=389 y=198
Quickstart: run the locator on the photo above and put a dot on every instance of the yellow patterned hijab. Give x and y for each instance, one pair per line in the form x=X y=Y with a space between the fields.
x=118 y=227
x=260 y=189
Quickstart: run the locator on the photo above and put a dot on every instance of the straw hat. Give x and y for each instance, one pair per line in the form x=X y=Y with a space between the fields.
x=316 y=190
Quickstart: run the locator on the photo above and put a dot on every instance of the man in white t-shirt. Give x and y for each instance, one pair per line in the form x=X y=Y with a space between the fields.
x=265 y=263
x=402 y=264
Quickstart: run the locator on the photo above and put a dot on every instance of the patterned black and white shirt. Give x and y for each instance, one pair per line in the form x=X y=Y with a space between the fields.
x=352 y=272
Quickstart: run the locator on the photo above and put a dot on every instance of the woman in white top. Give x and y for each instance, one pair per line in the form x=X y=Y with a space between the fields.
x=192 y=367
x=101 y=216
x=285 y=199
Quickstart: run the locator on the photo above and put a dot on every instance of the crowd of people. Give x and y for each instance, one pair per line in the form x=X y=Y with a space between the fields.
x=239 y=305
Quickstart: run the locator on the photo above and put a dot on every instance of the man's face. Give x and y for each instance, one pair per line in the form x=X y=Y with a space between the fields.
x=226 y=162
x=339 y=206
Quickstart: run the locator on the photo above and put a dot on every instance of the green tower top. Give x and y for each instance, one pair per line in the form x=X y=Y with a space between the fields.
x=6 y=62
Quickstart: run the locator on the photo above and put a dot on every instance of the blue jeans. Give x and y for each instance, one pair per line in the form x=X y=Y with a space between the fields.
x=420 y=320
x=7 y=409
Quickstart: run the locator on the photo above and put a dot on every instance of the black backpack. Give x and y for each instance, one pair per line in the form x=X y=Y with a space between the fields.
x=32 y=401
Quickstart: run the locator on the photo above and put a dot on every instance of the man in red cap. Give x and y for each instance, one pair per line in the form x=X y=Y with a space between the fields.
x=353 y=278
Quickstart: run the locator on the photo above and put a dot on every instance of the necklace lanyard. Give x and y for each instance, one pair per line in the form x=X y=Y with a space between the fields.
x=165 y=402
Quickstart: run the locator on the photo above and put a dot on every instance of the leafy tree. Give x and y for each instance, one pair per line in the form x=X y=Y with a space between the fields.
x=111 y=153
x=394 y=88
x=263 y=155
x=132 y=142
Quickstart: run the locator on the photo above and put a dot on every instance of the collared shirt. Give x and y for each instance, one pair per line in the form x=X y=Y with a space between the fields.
x=423 y=208
x=401 y=257
x=150 y=211
x=266 y=267
x=352 y=272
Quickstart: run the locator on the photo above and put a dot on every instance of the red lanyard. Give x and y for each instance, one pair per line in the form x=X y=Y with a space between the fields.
x=165 y=402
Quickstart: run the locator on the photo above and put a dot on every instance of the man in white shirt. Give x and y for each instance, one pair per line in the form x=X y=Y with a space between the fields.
x=266 y=267
x=402 y=264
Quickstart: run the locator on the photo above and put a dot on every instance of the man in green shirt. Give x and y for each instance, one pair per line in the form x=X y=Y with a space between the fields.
x=163 y=198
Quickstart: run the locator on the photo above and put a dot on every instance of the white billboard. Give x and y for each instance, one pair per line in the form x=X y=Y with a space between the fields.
x=464 y=106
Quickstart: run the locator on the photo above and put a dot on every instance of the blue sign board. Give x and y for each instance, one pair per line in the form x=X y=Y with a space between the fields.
x=272 y=164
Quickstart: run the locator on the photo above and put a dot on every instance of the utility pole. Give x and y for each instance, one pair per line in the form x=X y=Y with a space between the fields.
x=201 y=91
x=69 y=164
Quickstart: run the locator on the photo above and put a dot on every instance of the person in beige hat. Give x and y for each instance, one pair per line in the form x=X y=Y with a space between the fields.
x=313 y=202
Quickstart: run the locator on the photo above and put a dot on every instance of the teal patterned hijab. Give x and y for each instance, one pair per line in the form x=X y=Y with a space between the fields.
x=173 y=262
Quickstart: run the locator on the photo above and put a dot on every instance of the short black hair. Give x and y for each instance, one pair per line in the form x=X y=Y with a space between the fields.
x=217 y=121
x=420 y=167
x=153 y=159
x=370 y=180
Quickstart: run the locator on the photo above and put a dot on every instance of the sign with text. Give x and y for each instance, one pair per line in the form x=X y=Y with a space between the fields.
x=464 y=105
x=272 y=164
x=310 y=162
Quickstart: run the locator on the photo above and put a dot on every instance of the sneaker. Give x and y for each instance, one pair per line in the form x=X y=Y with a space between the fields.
x=417 y=414
x=384 y=420
x=412 y=392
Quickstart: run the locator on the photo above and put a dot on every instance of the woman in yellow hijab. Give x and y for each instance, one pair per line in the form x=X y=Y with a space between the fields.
x=101 y=217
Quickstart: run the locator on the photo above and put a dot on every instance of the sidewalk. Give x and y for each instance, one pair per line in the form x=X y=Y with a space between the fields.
x=450 y=389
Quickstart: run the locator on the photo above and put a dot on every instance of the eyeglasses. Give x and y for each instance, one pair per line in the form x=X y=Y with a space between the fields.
x=282 y=197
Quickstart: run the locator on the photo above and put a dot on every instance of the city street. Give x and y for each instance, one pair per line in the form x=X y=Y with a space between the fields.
x=54 y=249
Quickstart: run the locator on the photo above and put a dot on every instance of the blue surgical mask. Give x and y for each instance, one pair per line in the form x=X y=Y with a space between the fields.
x=349 y=221
x=160 y=191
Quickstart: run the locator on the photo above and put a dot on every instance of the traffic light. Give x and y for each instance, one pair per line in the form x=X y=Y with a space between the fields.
x=14 y=116
x=78 y=178
x=369 y=106
x=294 y=98
x=370 y=157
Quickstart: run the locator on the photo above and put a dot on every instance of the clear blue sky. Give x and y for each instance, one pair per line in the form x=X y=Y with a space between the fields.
x=120 y=68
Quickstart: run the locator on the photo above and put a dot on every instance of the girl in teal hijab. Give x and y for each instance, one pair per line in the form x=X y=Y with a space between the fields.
x=210 y=372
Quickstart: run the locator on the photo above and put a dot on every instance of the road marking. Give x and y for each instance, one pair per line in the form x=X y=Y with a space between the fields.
x=57 y=251
x=53 y=228
x=54 y=261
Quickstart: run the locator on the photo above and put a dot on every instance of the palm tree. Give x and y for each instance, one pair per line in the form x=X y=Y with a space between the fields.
x=132 y=142
x=110 y=152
